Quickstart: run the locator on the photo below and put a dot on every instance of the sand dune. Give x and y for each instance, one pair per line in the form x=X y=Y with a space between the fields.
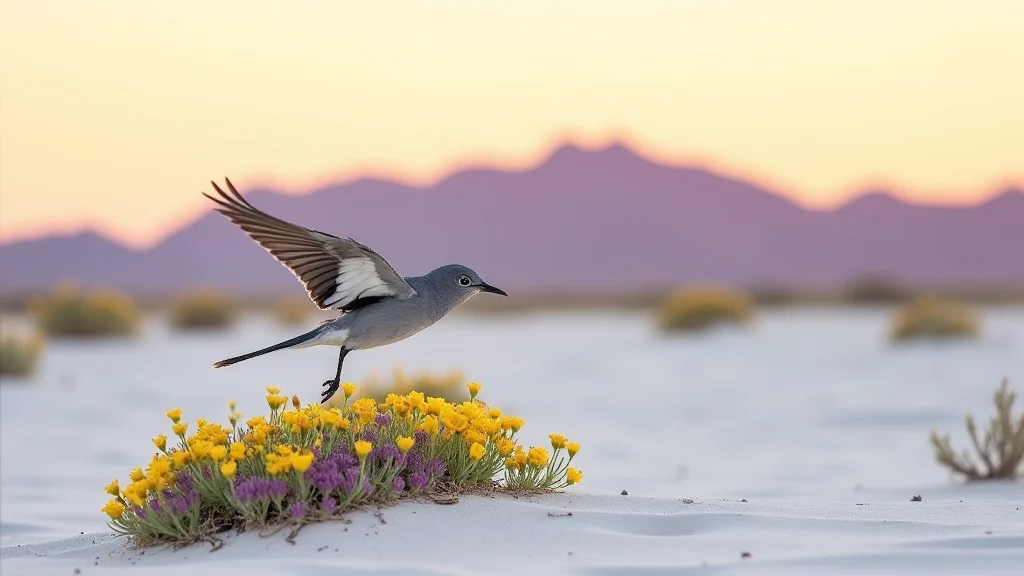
x=592 y=534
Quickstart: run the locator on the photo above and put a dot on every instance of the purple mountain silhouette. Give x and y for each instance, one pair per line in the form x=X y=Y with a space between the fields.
x=605 y=219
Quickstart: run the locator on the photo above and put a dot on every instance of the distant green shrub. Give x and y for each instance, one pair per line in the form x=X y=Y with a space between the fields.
x=1000 y=455
x=69 y=312
x=934 y=318
x=875 y=290
x=19 y=354
x=203 y=310
x=293 y=311
x=704 y=307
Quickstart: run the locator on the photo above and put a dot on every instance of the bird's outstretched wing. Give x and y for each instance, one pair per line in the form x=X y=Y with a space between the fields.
x=337 y=272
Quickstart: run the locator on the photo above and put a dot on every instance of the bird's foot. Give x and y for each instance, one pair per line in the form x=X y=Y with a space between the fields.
x=332 y=387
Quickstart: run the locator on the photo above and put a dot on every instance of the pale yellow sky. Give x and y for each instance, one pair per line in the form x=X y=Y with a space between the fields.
x=116 y=113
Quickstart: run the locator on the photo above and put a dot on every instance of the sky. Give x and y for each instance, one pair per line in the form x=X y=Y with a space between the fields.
x=116 y=114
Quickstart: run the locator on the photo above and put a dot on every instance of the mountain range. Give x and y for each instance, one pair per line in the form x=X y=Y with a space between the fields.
x=605 y=219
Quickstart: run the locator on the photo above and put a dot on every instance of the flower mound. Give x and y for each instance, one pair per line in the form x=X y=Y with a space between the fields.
x=308 y=464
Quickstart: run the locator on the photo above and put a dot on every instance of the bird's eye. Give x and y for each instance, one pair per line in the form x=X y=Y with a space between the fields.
x=464 y=281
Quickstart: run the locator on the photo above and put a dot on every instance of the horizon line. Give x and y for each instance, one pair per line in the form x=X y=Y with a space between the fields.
x=485 y=161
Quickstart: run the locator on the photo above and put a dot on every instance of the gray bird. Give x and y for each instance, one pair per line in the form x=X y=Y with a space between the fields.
x=378 y=306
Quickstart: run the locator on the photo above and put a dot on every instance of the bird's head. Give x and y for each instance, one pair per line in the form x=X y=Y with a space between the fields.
x=461 y=281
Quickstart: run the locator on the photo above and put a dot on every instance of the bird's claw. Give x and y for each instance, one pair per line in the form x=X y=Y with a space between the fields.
x=332 y=387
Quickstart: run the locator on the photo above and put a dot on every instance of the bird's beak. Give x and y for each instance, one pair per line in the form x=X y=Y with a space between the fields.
x=485 y=287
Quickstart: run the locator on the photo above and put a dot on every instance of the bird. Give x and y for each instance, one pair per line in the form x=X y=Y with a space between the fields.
x=377 y=305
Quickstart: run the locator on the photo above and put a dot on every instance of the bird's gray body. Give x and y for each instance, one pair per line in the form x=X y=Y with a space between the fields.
x=378 y=306
x=394 y=320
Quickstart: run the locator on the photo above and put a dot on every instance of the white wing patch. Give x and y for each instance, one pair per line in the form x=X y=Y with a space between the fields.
x=357 y=278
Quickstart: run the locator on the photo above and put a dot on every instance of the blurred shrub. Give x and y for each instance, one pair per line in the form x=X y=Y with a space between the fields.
x=930 y=317
x=203 y=310
x=450 y=385
x=69 y=312
x=700 y=308
x=19 y=354
x=292 y=311
x=1000 y=455
x=875 y=290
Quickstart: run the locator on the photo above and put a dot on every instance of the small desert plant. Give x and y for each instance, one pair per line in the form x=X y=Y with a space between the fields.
x=875 y=290
x=700 y=308
x=18 y=354
x=203 y=310
x=292 y=311
x=933 y=318
x=449 y=385
x=999 y=456
x=310 y=464
x=69 y=312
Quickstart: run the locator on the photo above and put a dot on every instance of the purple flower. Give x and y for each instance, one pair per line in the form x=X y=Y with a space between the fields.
x=368 y=435
x=351 y=477
x=328 y=505
x=421 y=437
x=436 y=468
x=139 y=512
x=418 y=480
x=398 y=485
x=154 y=505
x=383 y=419
x=384 y=454
x=414 y=461
x=184 y=481
x=250 y=489
x=297 y=509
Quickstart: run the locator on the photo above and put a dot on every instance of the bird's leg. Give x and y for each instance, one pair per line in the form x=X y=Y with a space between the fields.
x=333 y=385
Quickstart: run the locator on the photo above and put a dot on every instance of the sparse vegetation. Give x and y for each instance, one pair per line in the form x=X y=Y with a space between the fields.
x=933 y=318
x=19 y=354
x=293 y=311
x=1000 y=455
x=451 y=386
x=875 y=290
x=203 y=310
x=700 y=308
x=71 y=313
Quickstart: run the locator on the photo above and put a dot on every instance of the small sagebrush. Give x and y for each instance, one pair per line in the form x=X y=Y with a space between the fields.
x=19 y=354
x=1000 y=455
x=203 y=310
x=934 y=318
x=293 y=311
x=310 y=464
x=72 y=313
x=700 y=308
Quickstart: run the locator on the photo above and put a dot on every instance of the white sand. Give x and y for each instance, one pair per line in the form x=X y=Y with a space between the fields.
x=604 y=534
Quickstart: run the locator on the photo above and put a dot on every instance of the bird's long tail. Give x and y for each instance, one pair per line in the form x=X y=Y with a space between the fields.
x=300 y=339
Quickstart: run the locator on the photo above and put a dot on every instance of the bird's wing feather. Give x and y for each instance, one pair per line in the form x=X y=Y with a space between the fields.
x=336 y=272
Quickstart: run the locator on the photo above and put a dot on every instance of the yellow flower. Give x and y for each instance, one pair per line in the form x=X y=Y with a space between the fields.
x=537 y=457
x=505 y=446
x=494 y=413
x=278 y=463
x=112 y=488
x=557 y=441
x=435 y=405
x=237 y=451
x=218 y=453
x=416 y=399
x=429 y=425
x=405 y=443
x=231 y=405
x=513 y=423
x=180 y=459
x=573 y=476
x=160 y=442
x=200 y=448
x=273 y=390
x=474 y=389
x=234 y=417
x=228 y=468
x=476 y=451
x=114 y=509
x=275 y=401
x=474 y=436
x=180 y=428
x=132 y=495
x=174 y=415
x=295 y=401
x=363 y=448
x=573 y=448
x=136 y=475
x=302 y=462
x=454 y=421
x=349 y=389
